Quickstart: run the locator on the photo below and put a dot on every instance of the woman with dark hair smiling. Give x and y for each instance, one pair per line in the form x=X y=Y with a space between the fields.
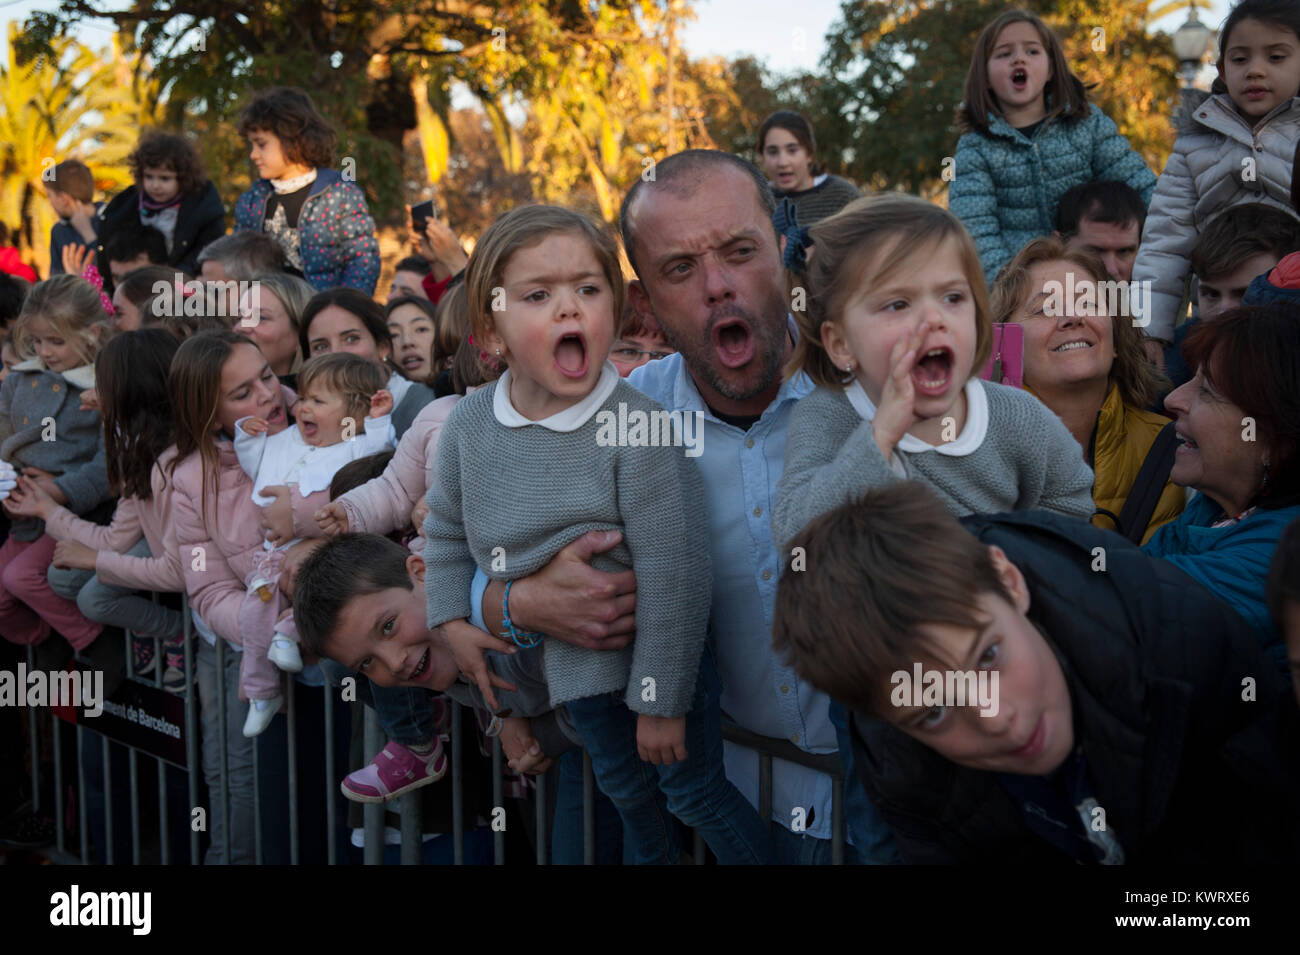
x=343 y=319
x=1239 y=423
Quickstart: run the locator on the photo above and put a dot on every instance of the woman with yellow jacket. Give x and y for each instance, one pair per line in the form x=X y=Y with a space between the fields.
x=1086 y=363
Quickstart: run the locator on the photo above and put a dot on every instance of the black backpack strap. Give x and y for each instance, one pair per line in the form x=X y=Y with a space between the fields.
x=1148 y=486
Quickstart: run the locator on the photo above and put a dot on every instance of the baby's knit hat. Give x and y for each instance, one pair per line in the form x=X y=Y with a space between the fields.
x=1280 y=285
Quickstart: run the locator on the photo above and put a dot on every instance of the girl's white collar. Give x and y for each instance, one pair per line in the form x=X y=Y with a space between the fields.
x=972 y=434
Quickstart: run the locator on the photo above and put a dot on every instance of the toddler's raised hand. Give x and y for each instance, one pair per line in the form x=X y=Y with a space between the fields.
x=419 y=513
x=897 y=410
x=661 y=739
x=254 y=427
x=74 y=258
x=381 y=403
x=332 y=519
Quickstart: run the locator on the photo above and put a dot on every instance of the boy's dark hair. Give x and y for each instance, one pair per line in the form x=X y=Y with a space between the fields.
x=1284 y=573
x=1251 y=356
x=862 y=582
x=1241 y=232
x=72 y=177
x=344 y=568
x=634 y=323
x=12 y=292
x=356 y=473
x=689 y=164
x=1102 y=200
x=1284 y=14
x=138 y=285
x=160 y=150
x=288 y=113
x=414 y=263
x=125 y=245
x=244 y=254
x=4 y=234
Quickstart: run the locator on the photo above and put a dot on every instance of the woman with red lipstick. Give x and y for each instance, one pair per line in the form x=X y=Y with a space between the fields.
x=1088 y=367
x=1029 y=136
x=1235 y=145
x=787 y=154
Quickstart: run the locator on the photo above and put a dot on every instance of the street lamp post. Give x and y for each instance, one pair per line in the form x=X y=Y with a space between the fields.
x=1191 y=42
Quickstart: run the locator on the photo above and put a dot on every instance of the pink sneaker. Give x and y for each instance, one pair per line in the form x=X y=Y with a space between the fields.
x=396 y=770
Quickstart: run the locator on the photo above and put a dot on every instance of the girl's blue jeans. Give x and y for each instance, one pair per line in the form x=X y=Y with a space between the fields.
x=695 y=790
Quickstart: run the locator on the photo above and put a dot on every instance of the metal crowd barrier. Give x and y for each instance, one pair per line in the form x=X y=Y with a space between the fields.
x=408 y=807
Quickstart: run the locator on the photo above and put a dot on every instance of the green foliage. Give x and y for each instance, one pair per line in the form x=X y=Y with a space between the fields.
x=67 y=101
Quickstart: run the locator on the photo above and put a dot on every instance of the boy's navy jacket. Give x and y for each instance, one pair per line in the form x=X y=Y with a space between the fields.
x=1186 y=770
x=200 y=220
x=336 y=231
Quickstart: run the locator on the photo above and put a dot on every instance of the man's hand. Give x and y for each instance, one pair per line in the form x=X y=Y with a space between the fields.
x=468 y=644
x=571 y=601
x=1155 y=352
x=661 y=739
x=277 y=517
x=70 y=555
x=439 y=244
x=523 y=754
x=332 y=519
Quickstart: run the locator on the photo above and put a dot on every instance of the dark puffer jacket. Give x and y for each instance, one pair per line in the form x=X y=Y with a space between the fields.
x=1186 y=770
x=201 y=219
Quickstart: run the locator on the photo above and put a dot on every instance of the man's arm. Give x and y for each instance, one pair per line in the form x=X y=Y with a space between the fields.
x=569 y=600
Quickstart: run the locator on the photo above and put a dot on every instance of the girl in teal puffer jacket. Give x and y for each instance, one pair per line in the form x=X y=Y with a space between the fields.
x=1030 y=135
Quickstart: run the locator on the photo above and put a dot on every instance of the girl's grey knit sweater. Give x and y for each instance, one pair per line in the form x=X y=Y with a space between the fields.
x=507 y=499
x=1027 y=459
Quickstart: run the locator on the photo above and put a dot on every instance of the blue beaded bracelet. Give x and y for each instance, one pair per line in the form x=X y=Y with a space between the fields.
x=524 y=639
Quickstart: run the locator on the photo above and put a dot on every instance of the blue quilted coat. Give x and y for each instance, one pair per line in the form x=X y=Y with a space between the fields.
x=337 y=234
x=1006 y=187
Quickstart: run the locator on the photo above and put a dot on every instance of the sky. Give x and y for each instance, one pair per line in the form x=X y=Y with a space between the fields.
x=787 y=35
